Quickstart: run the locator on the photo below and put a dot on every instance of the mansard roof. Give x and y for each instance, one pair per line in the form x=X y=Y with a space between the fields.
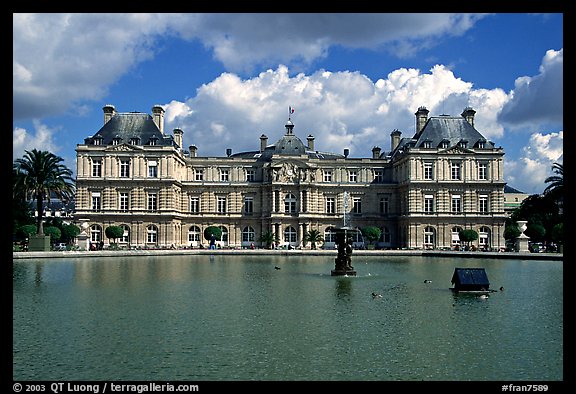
x=129 y=125
x=453 y=129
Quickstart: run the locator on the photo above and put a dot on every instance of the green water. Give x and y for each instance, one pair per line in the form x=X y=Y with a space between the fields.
x=201 y=317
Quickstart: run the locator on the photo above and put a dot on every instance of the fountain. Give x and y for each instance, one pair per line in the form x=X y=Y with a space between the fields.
x=343 y=266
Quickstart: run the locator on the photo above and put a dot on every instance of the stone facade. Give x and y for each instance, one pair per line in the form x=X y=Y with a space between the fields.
x=445 y=178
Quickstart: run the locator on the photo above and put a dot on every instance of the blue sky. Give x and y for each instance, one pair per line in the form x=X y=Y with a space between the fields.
x=226 y=79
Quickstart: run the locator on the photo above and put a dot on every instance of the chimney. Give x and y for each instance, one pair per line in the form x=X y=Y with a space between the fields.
x=310 y=139
x=421 y=118
x=109 y=112
x=263 y=142
x=193 y=150
x=178 y=137
x=376 y=152
x=229 y=152
x=395 y=140
x=346 y=152
x=468 y=114
x=158 y=116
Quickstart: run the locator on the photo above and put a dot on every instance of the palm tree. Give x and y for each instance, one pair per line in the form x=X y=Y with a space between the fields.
x=314 y=237
x=556 y=181
x=269 y=238
x=39 y=175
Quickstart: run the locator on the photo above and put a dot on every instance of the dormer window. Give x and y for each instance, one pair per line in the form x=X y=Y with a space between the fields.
x=444 y=144
x=463 y=143
x=98 y=139
x=134 y=141
x=481 y=144
x=116 y=140
x=427 y=144
x=152 y=141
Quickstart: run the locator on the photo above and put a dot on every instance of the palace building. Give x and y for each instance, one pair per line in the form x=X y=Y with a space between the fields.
x=445 y=178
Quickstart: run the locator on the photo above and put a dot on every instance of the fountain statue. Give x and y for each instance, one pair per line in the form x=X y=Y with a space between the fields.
x=343 y=266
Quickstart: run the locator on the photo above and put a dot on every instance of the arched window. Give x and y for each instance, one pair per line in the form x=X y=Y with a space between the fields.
x=224 y=237
x=194 y=235
x=290 y=234
x=484 y=237
x=290 y=203
x=429 y=240
x=385 y=235
x=151 y=234
x=125 y=239
x=95 y=233
x=329 y=235
x=248 y=234
x=456 y=235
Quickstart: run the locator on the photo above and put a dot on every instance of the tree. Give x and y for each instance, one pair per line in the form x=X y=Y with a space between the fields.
x=212 y=230
x=114 y=232
x=268 y=238
x=25 y=231
x=69 y=232
x=468 y=236
x=53 y=232
x=556 y=182
x=371 y=233
x=314 y=237
x=40 y=175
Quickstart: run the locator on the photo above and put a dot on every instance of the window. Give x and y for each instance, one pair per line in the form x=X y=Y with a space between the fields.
x=97 y=168
x=199 y=174
x=151 y=234
x=152 y=201
x=455 y=171
x=428 y=171
x=116 y=140
x=125 y=235
x=483 y=203
x=224 y=175
x=456 y=204
x=385 y=236
x=445 y=144
x=250 y=175
x=356 y=205
x=327 y=175
x=152 y=141
x=484 y=237
x=330 y=205
x=248 y=234
x=221 y=204
x=353 y=176
x=427 y=144
x=194 y=204
x=428 y=204
x=224 y=236
x=384 y=204
x=463 y=143
x=329 y=235
x=96 y=201
x=123 y=203
x=95 y=233
x=481 y=144
x=290 y=203
x=124 y=168
x=248 y=204
x=456 y=235
x=152 y=169
x=482 y=171
x=378 y=176
x=194 y=234
x=290 y=234
x=429 y=236
x=134 y=141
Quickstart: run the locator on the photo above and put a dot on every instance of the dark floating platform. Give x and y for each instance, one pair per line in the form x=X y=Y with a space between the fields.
x=336 y=272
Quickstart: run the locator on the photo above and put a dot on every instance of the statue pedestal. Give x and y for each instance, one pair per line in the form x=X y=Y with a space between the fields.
x=39 y=243
x=83 y=243
x=522 y=244
x=345 y=272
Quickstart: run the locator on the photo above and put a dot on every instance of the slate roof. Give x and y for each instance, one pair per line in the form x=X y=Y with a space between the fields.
x=470 y=279
x=131 y=125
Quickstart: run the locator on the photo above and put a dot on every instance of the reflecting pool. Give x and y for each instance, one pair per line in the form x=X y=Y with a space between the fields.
x=247 y=317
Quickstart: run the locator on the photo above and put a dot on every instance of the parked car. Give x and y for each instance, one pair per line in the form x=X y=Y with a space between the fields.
x=60 y=246
x=537 y=247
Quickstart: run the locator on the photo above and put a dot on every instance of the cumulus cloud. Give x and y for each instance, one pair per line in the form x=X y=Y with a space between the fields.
x=60 y=60
x=41 y=138
x=538 y=99
x=326 y=107
x=529 y=172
